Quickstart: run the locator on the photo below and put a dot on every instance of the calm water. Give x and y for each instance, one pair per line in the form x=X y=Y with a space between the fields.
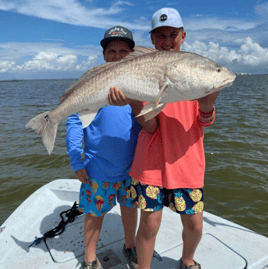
x=236 y=149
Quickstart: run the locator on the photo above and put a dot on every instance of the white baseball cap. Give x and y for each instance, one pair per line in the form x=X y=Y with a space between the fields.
x=166 y=17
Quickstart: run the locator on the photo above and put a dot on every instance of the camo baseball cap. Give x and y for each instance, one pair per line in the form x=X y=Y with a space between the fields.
x=166 y=17
x=117 y=33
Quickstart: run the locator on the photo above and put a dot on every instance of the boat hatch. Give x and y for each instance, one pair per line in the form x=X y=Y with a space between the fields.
x=70 y=245
x=210 y=251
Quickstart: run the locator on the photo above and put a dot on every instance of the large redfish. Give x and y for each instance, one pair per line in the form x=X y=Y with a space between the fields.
x=148 y=75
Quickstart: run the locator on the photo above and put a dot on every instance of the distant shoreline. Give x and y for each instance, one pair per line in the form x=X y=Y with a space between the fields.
x=11 y=80
x=28 y=79
x=20 y=80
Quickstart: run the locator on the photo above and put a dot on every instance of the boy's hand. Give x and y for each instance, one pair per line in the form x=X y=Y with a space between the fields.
x=117 y=98
x=207 y=103
x=82 y=175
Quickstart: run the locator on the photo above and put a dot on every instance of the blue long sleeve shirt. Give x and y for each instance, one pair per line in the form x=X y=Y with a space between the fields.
x=109 y=143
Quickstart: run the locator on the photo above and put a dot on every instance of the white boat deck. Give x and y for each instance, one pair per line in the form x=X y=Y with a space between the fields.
x=224 y=245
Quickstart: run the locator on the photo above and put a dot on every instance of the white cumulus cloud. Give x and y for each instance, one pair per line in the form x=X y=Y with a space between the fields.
x=38 y=57
x=6 y=66
x=84 y=65
x=253 y=54
x=60 y=59
x=50 y=61
x=250 y=53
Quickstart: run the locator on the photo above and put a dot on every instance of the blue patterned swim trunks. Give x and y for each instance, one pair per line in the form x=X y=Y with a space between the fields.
x=99 y=197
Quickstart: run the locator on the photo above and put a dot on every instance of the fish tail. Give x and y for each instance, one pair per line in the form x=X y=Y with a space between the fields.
x=45 y=127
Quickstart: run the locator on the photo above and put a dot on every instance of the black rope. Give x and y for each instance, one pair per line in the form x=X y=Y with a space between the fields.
x=69 y=217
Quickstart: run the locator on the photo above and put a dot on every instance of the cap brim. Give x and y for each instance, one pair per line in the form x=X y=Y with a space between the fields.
x=167 y=25
x=104 y=42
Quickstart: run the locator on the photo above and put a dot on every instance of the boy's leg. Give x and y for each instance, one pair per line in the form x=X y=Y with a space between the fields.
x=96 y=199
x=189 y=203
x=129 y=219
x=191 y=235
x=150 y=200
x=145 y=242
x=128 y=212
x=92 y=228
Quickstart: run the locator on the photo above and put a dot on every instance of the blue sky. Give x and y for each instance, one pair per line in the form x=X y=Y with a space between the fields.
x=60 y=39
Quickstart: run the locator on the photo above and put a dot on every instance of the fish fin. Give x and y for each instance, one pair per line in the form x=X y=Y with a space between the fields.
x=85 y=78
x=163 y=90
x=143 y=50
x=96 y=70
x=86 y=117
x=43 y=125
x=139 y=51
x=169 y=92
x=150 y=110
x=169 y=79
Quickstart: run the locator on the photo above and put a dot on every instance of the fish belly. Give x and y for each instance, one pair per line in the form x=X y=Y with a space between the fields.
x=141 y=89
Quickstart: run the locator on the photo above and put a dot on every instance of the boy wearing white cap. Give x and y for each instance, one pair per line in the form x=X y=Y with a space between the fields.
x=169 y=163
x=167 y=29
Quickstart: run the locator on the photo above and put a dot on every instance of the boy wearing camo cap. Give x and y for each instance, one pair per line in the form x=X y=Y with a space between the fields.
x=109 y=148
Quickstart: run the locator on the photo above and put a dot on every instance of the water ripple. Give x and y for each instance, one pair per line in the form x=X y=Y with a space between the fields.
x=236 y=149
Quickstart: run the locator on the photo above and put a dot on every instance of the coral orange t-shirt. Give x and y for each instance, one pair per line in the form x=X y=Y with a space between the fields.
x=173 y=156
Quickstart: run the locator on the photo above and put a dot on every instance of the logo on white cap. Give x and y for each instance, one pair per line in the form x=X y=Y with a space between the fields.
x=163 y=17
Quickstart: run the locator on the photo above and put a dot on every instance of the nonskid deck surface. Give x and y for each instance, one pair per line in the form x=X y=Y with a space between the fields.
x=224 y=245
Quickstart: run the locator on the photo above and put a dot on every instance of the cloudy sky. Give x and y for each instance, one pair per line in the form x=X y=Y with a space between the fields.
x=60 y=39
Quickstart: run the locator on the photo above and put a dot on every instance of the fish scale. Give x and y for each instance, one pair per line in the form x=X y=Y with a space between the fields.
x=148 y=75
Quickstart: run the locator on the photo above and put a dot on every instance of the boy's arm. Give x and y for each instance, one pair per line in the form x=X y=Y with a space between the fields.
x=74 y=137
x=149 y=125
x=206 y=103
x=117 y=98
x=206 y=109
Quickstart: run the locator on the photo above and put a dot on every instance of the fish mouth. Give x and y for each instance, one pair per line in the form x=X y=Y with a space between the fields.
x=228 y=84
x=225 y=83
